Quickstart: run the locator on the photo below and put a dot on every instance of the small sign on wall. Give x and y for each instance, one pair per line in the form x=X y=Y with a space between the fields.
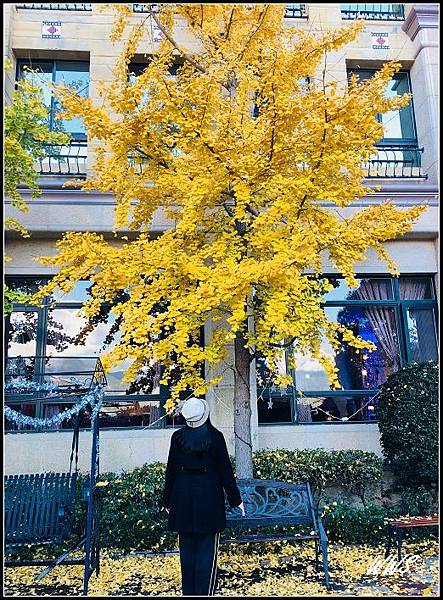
x=51 y=30
x=156 y=33
x=380 y=41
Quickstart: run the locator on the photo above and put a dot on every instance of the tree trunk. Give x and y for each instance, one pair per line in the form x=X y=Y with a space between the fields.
x=242 y=409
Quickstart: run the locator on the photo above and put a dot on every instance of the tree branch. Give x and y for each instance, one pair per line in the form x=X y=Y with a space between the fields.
x=174 y=43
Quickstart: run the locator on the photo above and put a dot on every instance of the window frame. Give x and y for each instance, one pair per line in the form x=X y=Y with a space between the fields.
x=405 y=351
x=411 y=141
x=22 y=62
x=41 y=343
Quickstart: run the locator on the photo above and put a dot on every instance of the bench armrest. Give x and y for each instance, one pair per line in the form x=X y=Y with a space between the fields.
x=321 y=529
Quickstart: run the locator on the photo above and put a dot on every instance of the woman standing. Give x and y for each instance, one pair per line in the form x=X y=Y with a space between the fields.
x=197 y=472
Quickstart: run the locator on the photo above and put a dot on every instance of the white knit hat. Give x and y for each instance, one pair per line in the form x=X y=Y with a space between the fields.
x=195 y=411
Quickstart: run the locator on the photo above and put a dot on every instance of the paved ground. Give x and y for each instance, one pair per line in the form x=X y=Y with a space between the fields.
x=279 y=570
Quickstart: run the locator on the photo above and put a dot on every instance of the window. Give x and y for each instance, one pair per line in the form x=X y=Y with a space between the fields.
x=296 y=10
x=82 y=6
x=397 y=315
x=136 y=159
x=53 y=333
x=398 y=154
x=387 y=12
x=71 y=73
x=274 y=405
x=399 y=125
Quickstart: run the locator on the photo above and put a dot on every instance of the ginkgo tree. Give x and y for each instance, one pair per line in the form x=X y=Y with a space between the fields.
x=242 y=150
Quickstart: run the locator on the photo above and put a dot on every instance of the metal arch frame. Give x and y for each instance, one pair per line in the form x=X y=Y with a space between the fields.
x=91 y=537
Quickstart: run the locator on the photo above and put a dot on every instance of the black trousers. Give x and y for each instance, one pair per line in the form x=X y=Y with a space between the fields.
x=198 y=561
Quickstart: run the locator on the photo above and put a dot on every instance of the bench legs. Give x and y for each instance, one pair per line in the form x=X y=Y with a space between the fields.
x=58 y=560
x=316 y=555
x=399 y=536
x=388 y=544
x=399 y=541
x=324 y=551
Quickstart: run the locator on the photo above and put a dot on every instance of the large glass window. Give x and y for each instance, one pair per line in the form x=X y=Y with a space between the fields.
x=399 y=125
x=55 y=333
x=67 y=72
x=397 y=315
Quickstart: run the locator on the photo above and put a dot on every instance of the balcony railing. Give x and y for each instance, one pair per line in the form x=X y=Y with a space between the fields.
x=373 y=12
x=64 y=160
x=390 y=161
x=292 y=10
x=296 y=10
x=141 y=8
x=44 y=6
x=393 y=161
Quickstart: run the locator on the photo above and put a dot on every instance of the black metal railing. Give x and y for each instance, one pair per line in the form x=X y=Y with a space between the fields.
x=292 y=10
x=395 y=161
x=69 y=159
x=82 y=6
x=141 y=8
x=296 y=10
x=373 y=12
x=137 y=162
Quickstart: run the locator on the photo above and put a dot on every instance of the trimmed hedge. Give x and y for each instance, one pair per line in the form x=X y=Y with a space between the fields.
x=130 y=504
x=130 y=516
x=352 y=525
x=408 y=422
x=357 y=472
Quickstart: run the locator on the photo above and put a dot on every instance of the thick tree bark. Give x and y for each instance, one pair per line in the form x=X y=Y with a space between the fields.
x=242 y=410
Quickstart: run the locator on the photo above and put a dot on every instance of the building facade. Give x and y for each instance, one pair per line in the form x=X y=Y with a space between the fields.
x=70 y=43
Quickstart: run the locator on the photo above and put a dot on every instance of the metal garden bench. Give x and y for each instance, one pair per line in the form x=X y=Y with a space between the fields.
x=269 y=503
x=39 y=508
x=399 y=525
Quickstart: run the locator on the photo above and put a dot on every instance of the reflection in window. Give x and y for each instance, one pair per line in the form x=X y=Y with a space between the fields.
x=398 y=124
x=72 y=344
x=22 y=333
x=368 y=289
x=26 y=285
x=340 y=408
x=358 y=370
x=422 y=334
x=137 y=413
x=416 y=288
x=79 y=293
x=70 y=73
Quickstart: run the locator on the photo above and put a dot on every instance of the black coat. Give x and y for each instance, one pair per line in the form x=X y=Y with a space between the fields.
x=194 y=485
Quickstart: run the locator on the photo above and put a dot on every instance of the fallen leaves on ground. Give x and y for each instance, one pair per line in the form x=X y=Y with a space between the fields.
x=273 y=569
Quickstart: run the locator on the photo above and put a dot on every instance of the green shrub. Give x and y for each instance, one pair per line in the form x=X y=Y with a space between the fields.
x=355 y=525
x=130 y=516
x=355 y=471
x=408 y=422
x=416 y=501
x=131 y=501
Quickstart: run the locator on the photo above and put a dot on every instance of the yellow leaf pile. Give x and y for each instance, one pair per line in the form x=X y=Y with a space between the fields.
x=251 y=570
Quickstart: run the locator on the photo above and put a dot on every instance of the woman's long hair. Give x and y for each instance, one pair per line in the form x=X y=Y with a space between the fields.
x=195 y=440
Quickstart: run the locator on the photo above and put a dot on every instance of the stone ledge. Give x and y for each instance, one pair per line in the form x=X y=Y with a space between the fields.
x=421 y=16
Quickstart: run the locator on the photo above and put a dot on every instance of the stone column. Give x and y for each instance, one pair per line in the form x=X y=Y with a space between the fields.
x=421 y=25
